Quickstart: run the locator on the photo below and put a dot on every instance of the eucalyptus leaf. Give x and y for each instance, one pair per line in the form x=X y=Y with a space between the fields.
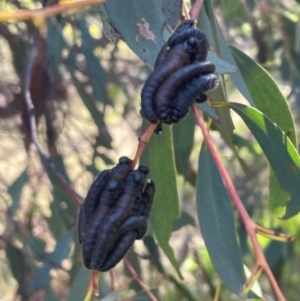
x=208 y=23
x=267 y=97
x=61 y=251
x=279 y=150
x=222 y=67
x=184 y=220
x=15 y=190
x=80 y=285
x=270 y=101
x=40 y=279
x=216 y=221
x=183 y=139
x=111 y=296
x=209 y=111
x=142 y=24
x=159 y=156
x=93 y=69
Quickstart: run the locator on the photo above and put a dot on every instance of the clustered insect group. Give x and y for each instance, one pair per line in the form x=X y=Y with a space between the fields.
x=181 y=75
x=117 y=207
x=114 y=214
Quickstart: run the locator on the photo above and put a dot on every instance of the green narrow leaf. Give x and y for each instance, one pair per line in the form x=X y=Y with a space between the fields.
x=15 y=191
x=18 y=264
x=208 y=24
x=265 y=93
x=80 y=285
x=41 y=278
x=159 y=156
x=225 y=53
x=183 y=289
x=209 y=111
x=96 y=74
x=184 y=220
x=278 y=197
x=279 y=150
x=54 y=37
x=276 y=253
x=111 y=296
x=270 y=101
x=61 y=251
x=172 y=10
x=183 y=139
x=222 y=67
x=63 y=207
x=216 y=221
x=142 y=296
x=154 y=254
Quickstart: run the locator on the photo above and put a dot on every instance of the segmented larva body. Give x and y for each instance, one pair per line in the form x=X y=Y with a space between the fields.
x=164 y=100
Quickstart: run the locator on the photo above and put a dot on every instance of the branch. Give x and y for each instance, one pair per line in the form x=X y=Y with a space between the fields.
x=38 y=15
x=31 y=115
x=143 y=141
x=138 y=280
x=195 y=10
x=251 y=227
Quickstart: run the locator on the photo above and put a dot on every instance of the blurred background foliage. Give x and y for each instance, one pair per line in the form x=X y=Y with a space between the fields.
x=86 y=93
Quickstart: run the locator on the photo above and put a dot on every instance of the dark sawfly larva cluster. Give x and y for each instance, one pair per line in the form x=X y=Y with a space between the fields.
x=118 y=204
x=114 y=214
x=181 y=75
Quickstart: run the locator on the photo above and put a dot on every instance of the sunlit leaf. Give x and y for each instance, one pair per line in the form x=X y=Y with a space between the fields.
x=270 y=101
x=279 y=150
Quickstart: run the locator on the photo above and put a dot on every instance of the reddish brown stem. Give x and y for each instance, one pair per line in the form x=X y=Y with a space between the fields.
x=138 y=280
x=195 y=10
x=143 y=141
x=249 y=224
x=112 y=280
x=95 y=280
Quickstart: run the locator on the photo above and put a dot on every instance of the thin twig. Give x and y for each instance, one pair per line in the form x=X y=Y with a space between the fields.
x=39 y=14
x=112 y=280
x=249 y=224
x=143 y=141
x=138 y=280
x=195 y=10
x=33 y=130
